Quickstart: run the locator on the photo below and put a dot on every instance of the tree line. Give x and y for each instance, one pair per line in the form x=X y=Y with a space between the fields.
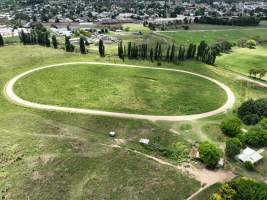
x=35 y=36
x=203 y=52
x=257 y=72
x=231 y=21
x=42 y=37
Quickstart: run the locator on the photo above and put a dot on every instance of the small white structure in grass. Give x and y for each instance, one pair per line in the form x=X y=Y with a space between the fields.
x=112 y=134
x=249 y=154
x=144 y=141
x=221 y=162
x=197 y=155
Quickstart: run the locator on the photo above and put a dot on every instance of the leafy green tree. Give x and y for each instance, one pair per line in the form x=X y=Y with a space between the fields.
x=251 y=44
x=231 y=127
x=257 y=135
x=241 y=189
x=209 y=154
x=227 y=192
x=248 y=165
x=249 y=189
x=252 y=111
x=233 y=146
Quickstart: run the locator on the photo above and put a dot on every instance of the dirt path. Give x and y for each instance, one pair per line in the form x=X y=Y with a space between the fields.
x=16 y=99
x=252 y=81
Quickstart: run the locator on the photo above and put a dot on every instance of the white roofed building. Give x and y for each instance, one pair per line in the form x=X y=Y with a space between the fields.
x=249 y=154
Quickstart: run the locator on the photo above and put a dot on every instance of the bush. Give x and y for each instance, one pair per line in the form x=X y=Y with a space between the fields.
x=251 y=44
x=233 y=147
x=231 y=127
x=209 y=154
x=257 y=136
x=248 y=165
x=241 y=189
x=249 y=189
x=251 y=112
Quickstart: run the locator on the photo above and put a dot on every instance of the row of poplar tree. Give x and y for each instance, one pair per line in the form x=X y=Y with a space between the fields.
x=38 y=37
x=42 y=38
x=70 y=47
x=172 y=53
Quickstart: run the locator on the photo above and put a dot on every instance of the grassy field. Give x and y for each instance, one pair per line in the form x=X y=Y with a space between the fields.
x=135 y=27
x=213 y=36
x=131 y=90
x=54 y=155
x=196 y=27
x=241 y=60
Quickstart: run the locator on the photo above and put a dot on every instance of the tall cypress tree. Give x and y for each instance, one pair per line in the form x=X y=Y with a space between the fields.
x=47 y=42
x=1 y=41
x=120 y=50
x=129 y=50
x=156 y=52
x=172 y=53
x=167 y=58
x=54 y=42
x=82 y=46
x=68 y=46
x=159 y=52
x=201 y=50
x=101 y=48
x=151 y=55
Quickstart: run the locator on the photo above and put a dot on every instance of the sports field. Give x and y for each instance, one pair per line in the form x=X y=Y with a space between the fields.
x=212 y=36
x=121 y=89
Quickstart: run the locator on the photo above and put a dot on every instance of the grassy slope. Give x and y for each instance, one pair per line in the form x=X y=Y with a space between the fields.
x=213 y=36
x=51 y=155
x=58 y=154
x=241 y=60
x=122 y=89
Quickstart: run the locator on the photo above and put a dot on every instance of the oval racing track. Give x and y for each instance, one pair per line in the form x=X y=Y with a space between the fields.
x=19 y=101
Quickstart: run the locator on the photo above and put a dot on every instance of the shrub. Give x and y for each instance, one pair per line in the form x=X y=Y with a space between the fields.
x=251 y=112
x=209 y=154
x=257 y=136
x=251 y=44
x=231 y=127
x=233 y=146
x=248 y=165
x=249 y=189
x=241 y=189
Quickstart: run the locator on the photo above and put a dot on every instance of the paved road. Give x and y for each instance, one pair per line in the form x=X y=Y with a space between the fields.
x=16 y=99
